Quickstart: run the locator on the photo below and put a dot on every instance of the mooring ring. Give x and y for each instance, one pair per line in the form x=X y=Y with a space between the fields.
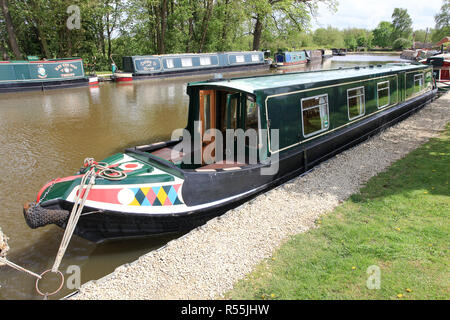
x=55 y=292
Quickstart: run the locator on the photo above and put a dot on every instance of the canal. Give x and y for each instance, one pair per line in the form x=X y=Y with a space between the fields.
x=48 y=135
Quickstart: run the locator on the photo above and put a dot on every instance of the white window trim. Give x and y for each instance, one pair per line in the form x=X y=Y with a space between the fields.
x=169 y=63
x=357 y=96
x=186 y=60
x=318 y=106
x=416 y=76
x=389 y=94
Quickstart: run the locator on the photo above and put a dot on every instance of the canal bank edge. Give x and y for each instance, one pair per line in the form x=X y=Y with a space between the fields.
x=207 y=262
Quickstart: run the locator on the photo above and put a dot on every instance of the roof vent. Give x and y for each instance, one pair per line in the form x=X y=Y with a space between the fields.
x=371 y=66
x=356 y=68
x=379 y=65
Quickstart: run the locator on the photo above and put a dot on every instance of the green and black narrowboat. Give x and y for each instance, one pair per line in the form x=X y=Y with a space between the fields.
x=300 y=119
x=186 y=64
x=28 y=75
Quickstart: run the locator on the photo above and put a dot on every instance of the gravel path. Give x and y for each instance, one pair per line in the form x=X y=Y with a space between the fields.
x=209 y=260
x=3 y=245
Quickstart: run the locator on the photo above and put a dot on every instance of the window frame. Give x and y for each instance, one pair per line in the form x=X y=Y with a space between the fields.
x=357 y=96
x=170 y=63
x=420 y=75
x=378 y=95
x=191 y=64
x=205 y=61
x=318 y=106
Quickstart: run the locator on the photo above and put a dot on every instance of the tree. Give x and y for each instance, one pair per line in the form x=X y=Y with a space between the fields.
x=382 y=34
x=442 y=20
x=282 y=13
x=13 y=45
x=401 y=24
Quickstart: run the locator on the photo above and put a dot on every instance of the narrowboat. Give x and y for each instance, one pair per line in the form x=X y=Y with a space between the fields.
x=285 y=59
x=441 y=66
x=327 y=53
x=313 y=55
x=276 y=127
x=177 y=65
x=28 y=75
x=339 y=52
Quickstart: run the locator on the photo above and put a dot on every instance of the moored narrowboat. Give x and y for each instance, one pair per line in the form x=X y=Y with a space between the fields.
x=178 y=65
x=285 y=59
x=441 y=66
x=327 y=53
x=17 y=76
x=275 y=127
x=314 y=55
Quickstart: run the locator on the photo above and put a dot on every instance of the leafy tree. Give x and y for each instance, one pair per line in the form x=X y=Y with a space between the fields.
x=401 y=24
x=442 y=20
x=382 y=34
x=401 y=43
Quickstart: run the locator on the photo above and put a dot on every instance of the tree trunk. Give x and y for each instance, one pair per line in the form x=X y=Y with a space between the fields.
x=163 y=27
x=257 y=33
x=225 y=26
x=10 y=28
x=206 y=19
x=3 y=52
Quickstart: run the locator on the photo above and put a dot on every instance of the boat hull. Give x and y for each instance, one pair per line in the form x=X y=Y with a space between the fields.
x=193 y=72
x=204 y=193
x=43 y=85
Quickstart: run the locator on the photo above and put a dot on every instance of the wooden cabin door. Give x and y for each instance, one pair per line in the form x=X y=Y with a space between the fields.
x=208 y=121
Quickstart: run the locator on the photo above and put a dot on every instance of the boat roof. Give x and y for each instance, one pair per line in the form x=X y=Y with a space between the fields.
x=253 y=84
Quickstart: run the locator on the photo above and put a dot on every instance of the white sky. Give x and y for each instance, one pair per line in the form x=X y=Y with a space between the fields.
x=368 y=13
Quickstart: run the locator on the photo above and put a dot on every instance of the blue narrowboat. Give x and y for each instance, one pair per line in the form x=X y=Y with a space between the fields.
x=290 y=58
x=176 y=65
x=283 y=125
x=17 y=76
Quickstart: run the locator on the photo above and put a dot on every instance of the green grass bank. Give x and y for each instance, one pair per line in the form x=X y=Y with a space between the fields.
x=398 y=225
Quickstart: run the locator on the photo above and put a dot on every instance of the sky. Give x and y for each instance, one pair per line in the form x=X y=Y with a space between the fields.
x=368 y=13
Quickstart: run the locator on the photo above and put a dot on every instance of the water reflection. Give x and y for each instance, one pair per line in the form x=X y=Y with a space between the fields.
x=47 y=135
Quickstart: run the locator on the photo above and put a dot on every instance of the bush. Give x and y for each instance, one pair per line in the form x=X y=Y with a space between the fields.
x=401 y=43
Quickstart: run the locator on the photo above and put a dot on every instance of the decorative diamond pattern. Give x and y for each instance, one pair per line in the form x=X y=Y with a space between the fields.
x=156 y=196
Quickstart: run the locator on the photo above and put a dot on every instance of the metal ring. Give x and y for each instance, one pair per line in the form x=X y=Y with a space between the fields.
x=53 y=293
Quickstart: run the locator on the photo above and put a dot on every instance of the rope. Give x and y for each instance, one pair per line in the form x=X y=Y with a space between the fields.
x=80 y=200
x=95 y=170
x=19 y=268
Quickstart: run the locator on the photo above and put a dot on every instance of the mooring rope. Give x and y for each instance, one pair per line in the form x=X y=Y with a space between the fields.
x=94 y=170
x=80 y=200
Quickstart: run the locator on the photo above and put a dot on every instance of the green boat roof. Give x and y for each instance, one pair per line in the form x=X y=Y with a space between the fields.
x=253 y=84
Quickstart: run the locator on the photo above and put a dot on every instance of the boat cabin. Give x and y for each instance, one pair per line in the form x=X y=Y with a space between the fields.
x=302 y=107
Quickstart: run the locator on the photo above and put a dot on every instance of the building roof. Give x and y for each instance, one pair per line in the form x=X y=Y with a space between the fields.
x=253 y=84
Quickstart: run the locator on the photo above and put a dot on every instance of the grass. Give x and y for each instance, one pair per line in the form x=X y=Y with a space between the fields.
x=398 y=222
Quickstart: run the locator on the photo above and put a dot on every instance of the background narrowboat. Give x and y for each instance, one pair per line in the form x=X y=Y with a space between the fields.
x=16 y=76
x=176 y=185
x=314 y=55
x=290 y=58
x=441 y=66
x=175 y=65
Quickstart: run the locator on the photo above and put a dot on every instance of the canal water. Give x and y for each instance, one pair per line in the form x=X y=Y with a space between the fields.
x=48 y=135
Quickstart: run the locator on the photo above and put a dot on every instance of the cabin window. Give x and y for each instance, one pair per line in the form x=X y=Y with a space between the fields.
x=356 y=103
x=186 y=62
x=251 y=119
x=418 y=82
x=315 y=115
x=383 y=94
x=240 y=59
x=205 y=61
x=169 y=63
x=255 y=58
